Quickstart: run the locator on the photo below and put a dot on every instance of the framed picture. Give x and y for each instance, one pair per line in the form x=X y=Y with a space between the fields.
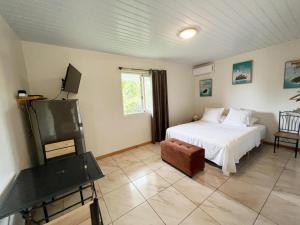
x=292 y=74
x=205 y=87
x=242 y=72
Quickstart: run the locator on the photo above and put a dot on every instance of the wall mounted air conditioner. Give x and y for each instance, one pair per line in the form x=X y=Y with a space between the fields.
x=203 y=69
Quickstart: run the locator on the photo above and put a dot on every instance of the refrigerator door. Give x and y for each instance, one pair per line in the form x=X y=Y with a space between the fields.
x=59 y=120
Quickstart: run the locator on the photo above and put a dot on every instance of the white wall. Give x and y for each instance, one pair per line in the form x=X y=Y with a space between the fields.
x=106 y=128
x=265 y=94
x=13 y=147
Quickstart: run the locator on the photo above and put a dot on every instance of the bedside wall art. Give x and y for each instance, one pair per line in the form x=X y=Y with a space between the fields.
x=205 y=87
x=242 y=72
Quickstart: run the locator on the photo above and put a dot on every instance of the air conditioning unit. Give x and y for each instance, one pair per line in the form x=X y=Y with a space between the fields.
x=203 y=69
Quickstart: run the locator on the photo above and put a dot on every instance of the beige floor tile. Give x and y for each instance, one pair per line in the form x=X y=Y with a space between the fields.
x=248 y=194
x=54 y=207
x=143 y=153
x=282 y=208
x=97 y=187
x=108 y=165
x=199 y=217
x=261 y=220
x=122 y=200
x=108 y=160
x=294 y=164
x=211 y=176
x=72 y=199
x=272 y=161
x=270 y=170
x=126 y=159
x=193 y=190
x=155 y=148
x=151 y=184
x=289 y=181
x=137 y=170
x=171 y=206
x=246 y=189
x=281 y=153
x=154 y=162
x=141 y=215
x=112 y=181
x=170 y=174
x=104 y=212
x=122 y=154
x=255 y=177
x=225 y=210
x=87 y=192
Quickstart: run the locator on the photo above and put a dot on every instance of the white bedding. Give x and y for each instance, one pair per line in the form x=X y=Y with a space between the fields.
x=223 y=144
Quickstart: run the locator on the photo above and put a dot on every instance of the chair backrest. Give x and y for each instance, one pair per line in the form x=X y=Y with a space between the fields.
x=289 y=122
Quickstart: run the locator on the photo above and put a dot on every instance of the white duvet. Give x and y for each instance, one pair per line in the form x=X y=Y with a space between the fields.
x=223 y=144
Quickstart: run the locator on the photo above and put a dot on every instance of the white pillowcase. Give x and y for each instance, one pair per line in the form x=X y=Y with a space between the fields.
x=212 y=114
x=250 y=116
x=253 y=121
x=223 y=117
x=238 y=117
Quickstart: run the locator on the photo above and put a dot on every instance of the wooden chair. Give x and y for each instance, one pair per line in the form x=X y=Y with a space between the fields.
x=288 y=129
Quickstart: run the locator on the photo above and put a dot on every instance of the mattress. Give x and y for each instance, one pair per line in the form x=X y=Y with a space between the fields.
x=224 y=144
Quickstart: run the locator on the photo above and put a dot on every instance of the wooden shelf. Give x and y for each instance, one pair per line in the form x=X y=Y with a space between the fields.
x=19 y=99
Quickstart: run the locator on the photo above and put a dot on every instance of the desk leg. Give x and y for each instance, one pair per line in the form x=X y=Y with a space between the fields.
x=94 y=189
x=45 y=212
x=81 y=196
x=26 y=214
x=95 y=192
x=101 y=222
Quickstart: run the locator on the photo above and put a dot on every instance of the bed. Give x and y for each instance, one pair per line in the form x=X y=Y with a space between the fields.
x=224 y=144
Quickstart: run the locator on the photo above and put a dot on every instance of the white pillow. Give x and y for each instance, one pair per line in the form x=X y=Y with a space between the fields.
x=222 y=118
x=250 y=115
x=253 y=121
x=212 y=114
x=238 y=117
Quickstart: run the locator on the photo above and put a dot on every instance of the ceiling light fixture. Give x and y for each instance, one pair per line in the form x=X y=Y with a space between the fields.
x=188 y=33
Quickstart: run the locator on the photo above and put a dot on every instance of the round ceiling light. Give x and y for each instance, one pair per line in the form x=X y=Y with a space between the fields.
x=188 y=33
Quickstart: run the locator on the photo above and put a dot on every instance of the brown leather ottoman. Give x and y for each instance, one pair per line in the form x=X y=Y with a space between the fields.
x=185 y=157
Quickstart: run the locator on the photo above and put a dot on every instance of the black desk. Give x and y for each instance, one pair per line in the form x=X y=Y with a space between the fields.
x=37 y=185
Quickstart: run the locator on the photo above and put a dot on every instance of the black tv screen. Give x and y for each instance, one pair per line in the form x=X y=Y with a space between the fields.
x=72 y=80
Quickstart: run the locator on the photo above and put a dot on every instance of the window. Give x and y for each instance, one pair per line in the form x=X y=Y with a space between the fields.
x=137 y=92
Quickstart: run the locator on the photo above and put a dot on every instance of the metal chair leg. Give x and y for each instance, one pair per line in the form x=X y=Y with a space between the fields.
x=275 y=140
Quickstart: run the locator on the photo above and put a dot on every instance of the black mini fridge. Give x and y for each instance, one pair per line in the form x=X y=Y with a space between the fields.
x=53 y=123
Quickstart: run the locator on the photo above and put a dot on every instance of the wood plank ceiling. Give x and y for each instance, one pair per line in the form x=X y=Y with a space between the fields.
x=149 y=28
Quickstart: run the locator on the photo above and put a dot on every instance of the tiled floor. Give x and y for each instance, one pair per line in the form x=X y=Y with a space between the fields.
x=141 y=189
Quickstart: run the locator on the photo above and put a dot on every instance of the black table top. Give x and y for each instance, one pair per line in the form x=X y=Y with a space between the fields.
x=38 y=184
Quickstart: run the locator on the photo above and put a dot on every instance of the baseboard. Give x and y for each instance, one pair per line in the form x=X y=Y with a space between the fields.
x=280 y=145
x=149 y=142
x=122 y=150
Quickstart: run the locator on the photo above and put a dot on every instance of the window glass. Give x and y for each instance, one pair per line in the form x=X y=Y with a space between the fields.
x=137 y=92
x=132 y=93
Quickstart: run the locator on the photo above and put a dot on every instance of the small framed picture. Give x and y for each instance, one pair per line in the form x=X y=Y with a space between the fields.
x=292 y=74
x=205 y=87
x=242 y=72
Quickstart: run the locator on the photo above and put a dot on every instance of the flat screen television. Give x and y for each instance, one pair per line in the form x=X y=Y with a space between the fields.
x=72 y=80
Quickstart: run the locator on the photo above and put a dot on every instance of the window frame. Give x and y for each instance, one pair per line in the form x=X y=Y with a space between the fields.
x=142 y=75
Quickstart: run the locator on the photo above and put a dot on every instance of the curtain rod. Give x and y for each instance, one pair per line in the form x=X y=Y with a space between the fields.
x=124 y=68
